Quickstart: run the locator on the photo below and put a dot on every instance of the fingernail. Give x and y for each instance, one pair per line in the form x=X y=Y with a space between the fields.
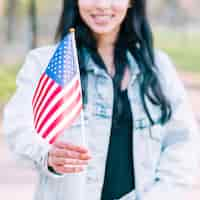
x=84 y=156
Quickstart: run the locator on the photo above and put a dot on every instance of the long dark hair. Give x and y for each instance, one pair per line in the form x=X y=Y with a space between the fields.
x=135 y=30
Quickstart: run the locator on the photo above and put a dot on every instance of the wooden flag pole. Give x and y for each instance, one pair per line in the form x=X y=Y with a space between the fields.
x=72 y=30
x=82 y=177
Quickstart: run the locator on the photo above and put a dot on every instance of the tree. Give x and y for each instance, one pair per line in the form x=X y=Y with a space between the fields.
x=1 y=8
x=32 y=17
x=33 y=23
x=11 y=16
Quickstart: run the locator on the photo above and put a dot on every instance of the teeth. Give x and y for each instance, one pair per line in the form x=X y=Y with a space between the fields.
x=102 y=19
x=102 y=16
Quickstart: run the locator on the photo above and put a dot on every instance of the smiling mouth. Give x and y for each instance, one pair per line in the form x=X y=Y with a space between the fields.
x=102 y=19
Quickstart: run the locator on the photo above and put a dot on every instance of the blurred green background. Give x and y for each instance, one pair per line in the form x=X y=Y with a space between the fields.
x=174 y=23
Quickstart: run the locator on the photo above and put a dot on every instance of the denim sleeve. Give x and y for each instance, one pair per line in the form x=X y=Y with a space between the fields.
x=18 y=127
x=178 y=170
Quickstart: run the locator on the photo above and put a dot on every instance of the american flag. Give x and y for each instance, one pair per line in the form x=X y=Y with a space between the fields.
x=57 y=100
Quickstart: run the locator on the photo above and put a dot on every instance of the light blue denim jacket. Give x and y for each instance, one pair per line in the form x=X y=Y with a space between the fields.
x=166 y=158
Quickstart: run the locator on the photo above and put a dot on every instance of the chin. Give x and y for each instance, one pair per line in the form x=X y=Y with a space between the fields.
x=102 y=29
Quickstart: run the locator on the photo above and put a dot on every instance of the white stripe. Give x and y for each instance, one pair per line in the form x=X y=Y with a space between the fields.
x=42 y=95
x=59 y=111
x=64 y=121
x=38 y=88
x=38 y=91
x=56 y=99
x=53 y=88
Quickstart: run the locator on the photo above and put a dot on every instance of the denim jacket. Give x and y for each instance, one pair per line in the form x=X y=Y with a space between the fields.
x=166 y=157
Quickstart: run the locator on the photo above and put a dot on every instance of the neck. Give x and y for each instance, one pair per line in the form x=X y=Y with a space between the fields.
x=106 y=41
x=105 y=44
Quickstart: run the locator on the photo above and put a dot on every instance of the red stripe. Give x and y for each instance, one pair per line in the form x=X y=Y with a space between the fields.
x=56 y=106
x=36 y=91
x=66 y=126
x=43 y=97
x=53 y=95
x=62 y=116
x=40 y=92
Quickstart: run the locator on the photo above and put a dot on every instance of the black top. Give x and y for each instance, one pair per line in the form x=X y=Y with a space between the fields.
x=119 y=175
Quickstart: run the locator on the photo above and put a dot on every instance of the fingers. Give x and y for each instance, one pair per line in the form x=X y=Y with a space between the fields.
x=55 y=152
x=62 y=161
x=66 y=166
x=63 y=165
x=67 y=170
x=68 y=158
x=69 y=146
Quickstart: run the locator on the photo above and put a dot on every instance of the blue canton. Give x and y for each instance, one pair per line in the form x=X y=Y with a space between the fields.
x=62 y=67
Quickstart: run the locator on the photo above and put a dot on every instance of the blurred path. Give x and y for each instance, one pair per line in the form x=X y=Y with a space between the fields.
x=192 y=84
x=18 y=183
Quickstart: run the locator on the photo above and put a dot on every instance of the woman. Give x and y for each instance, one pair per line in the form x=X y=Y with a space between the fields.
x=142 y=138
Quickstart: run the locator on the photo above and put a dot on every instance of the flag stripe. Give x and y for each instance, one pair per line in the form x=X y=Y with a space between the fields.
x=53 y=139
x=49 y=93
x=47 y=83
x=65 y=121
x=42 y=85
x=58 y=120
x=57 y=112
x=47 y=103
x=49 y=86
x=55 y=100
x=37 y=88
x=63 y=103
x=55 y=104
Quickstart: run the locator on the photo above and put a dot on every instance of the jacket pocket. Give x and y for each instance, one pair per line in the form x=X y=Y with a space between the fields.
x=143 y=125
x=101 y=110
x=156 y=132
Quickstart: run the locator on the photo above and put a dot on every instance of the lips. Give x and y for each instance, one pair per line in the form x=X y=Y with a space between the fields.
x=101 y=18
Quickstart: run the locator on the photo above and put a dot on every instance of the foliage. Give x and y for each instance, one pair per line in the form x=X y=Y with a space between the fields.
x=183 y=48
x=7 y=81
